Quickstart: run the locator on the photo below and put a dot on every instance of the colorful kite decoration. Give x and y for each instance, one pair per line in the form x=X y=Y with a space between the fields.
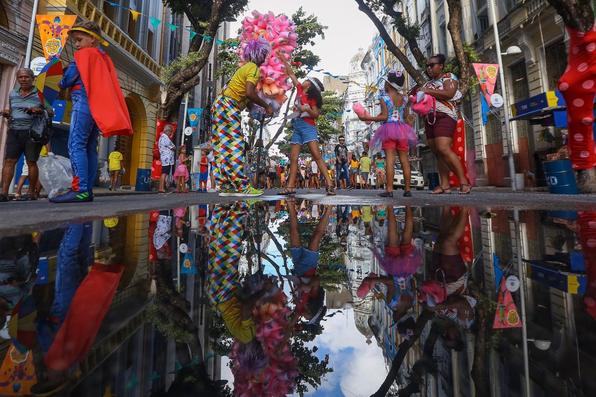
x=47 y=81
x=506 y=315
x=53 y=32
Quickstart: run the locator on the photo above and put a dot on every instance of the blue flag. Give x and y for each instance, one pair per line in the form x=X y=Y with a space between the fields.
x=498 y=270
x=188 y=264
x=484 y=109
x=42 y=271
x=194 y=116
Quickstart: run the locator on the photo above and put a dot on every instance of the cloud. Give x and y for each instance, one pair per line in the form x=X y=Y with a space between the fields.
x=351 y=358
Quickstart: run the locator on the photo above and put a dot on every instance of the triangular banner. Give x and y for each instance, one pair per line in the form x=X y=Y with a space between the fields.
x=487 y=78
x=192 y=34
x=53 y=32
x=172 y=27
x=506 y=315
x=135 y=14
x=154 y=22
x=188 y=265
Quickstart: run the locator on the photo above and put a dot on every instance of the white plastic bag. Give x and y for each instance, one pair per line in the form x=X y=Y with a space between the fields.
x=55 y=174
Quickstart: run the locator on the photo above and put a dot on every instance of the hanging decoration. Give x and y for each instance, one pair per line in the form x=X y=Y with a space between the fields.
x=506 y=315
x=53 y=32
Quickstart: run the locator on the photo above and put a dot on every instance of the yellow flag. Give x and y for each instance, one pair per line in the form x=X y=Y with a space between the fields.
x=135 y=14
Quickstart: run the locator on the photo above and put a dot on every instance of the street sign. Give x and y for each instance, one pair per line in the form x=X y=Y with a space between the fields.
x=37 y=65
x=496 y=100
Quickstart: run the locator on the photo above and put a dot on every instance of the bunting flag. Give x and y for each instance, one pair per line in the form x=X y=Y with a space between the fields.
x=43 y=271
x=487 y=78
x=135 y=14
x=192 y=34
x=194 y=116
x=506 y=315
x=18 y=373
x=47 y=81
x=172 y=27
x=207 y=38
x=154 y=22
x=53 y=32
x=188 y=265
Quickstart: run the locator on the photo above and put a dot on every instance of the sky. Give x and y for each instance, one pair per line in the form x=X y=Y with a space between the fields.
x=348 y=28
x=358 y=368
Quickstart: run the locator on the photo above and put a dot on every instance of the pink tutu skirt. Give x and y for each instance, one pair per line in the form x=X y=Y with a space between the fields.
x=403 y=265
x=398 y=131
x=181 y=170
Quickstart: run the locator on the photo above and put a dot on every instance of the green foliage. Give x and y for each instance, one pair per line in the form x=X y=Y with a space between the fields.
x=387 y=7
x=178 y=64
x=198 y=11
x=166 y=326
x=452 y=65
x=227 y=59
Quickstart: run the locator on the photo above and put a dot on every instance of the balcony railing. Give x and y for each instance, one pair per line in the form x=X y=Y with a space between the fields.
x=88 y=10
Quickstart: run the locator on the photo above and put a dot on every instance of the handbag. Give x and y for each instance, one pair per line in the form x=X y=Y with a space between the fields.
x=39 y=131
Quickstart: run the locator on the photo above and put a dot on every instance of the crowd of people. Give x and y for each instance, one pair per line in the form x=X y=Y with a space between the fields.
x=224 y=158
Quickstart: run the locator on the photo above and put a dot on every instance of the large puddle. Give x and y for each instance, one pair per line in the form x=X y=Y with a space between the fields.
x=295 y=298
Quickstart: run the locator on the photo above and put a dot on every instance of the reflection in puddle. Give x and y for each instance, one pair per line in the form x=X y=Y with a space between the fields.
x=291 y=298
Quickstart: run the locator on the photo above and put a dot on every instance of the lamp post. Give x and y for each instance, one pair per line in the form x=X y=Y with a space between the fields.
x=31 y=34
x=508 y=132
x=522 y=298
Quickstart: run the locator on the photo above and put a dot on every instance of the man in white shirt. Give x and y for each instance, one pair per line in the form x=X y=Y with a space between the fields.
x=166 y=155
x=314 y=175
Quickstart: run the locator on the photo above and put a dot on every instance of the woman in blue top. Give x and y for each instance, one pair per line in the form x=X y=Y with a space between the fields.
x=394 y=134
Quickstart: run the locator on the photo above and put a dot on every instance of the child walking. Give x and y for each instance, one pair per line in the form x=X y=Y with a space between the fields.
x=394 y=134
x=93 y=83
x=308 y=104
x=203 y=170
x=181 y=173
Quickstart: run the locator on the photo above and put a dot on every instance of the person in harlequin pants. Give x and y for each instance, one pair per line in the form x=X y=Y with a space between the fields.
x=98 y=105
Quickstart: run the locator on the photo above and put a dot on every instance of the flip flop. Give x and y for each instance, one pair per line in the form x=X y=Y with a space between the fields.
x=461 y=188
x=287 y=192
x=441 y=190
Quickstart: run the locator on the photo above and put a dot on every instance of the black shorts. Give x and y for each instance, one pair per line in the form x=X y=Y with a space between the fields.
x=19 y=142
x=272 y=175
x=166 y=169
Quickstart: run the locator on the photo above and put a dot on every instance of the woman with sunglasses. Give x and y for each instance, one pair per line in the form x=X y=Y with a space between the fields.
x=440 y=125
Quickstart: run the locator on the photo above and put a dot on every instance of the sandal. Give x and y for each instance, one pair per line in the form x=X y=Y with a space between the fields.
x=289 y=191
x=441 y=190
x=465 y=191
x=331 y=191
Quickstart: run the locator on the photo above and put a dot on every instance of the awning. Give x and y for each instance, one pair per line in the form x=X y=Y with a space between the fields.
x=546 y=109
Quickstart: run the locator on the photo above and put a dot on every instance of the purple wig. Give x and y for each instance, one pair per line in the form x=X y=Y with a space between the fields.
x=256 y=51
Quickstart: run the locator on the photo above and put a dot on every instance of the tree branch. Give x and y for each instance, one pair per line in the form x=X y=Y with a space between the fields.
x=407 y=32
x=186 y=79
x=391 y=46
x=577 y=14
x=455 y=30
x=402 y=350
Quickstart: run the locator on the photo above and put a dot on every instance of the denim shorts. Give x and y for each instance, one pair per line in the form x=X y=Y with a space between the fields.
x=303 y=132
x=303 y=260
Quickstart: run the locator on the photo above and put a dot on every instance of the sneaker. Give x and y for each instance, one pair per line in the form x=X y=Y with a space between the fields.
x=73 y=197
x=386 y=194
x=249 y=191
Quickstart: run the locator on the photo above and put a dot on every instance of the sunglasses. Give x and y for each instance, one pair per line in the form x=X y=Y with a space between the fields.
x=430 y=65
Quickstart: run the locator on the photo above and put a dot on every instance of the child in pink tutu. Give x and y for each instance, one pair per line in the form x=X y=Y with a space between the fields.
x=400 y=260
x=181 y=173
x=395 y=134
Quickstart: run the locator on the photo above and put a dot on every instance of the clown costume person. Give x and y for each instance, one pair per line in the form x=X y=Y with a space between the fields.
x=93 y=83
x=227 y=138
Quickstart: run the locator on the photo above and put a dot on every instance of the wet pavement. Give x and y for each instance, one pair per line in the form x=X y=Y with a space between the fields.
x=346 y=297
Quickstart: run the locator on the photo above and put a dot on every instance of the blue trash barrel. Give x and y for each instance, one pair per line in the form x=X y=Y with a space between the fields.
x=143 y=180
x=433 y=180
x=560 y=177
x=571 y=215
